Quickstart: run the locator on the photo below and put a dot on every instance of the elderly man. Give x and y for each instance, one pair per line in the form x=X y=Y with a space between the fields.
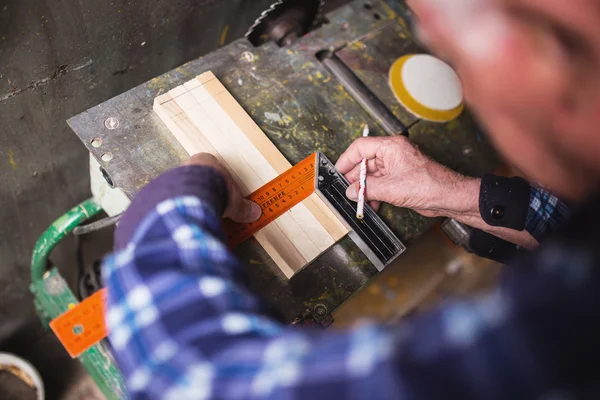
x=184 y=325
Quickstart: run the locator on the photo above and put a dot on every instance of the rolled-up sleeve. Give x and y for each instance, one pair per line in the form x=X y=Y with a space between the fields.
x=515 y=204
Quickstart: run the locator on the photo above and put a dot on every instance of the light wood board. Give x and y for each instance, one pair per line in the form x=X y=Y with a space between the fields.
x=204 y=117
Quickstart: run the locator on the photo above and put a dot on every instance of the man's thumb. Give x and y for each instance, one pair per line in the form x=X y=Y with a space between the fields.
x=352 y=191
x=370 y=193
x=246 y=211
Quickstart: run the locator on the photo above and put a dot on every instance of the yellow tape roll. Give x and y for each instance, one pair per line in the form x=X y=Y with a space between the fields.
x=405 y=98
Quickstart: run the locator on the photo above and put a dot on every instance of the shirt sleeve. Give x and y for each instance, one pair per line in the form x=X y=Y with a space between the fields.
x=503 y=201
x=184 y=325
x=516 y=204
x=546 y=213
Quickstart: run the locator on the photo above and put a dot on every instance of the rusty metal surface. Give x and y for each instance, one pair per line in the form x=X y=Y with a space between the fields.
x=301 y=108
x=371 y=56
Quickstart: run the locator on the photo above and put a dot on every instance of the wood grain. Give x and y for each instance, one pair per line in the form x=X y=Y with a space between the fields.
x=204 y=117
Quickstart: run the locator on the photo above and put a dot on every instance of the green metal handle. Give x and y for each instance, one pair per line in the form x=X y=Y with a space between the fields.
x=52 y=297
x=56 y=232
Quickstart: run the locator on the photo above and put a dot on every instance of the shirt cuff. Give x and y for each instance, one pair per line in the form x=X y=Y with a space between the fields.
x=203 y=182
x=504 y=202
x=489 y=246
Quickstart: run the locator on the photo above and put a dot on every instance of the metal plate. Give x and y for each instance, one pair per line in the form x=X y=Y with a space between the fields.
x=302 y=109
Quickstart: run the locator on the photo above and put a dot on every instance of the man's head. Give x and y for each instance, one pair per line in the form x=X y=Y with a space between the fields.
x=531 y=73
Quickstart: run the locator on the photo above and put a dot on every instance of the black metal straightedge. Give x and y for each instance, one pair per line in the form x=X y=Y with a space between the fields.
x=370 y=234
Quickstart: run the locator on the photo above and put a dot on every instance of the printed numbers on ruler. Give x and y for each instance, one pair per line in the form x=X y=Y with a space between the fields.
x=275 y=198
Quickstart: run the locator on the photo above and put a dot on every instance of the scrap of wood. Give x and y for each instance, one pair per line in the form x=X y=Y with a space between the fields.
x=204 y=117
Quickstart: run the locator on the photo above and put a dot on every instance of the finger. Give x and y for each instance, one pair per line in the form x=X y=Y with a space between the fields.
x=375 y=205
x=244 y=211
x=202 y=159
x=365 y=147
x=352 y=194
x=375 y=189
x=372 y=169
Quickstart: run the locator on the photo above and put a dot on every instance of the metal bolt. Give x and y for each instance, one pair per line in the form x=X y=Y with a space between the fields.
x=321 y=179
x=320 y=310
x=111 y=123
x=332 y=171
x=324 y=161
x=248 y=56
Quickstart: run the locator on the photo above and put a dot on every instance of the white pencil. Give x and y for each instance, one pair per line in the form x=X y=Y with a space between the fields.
x=362 y=183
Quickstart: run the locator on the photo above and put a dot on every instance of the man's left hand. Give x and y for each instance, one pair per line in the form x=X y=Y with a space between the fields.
x=238 y=208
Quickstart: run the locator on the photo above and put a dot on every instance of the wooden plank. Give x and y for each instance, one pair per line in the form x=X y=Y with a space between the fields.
x=204 y=117
x=247 y=163
x=271 y=238
x=233 y=138
x=317 y=207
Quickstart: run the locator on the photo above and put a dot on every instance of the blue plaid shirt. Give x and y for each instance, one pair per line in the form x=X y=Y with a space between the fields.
x=185 y=326
x=546 y=214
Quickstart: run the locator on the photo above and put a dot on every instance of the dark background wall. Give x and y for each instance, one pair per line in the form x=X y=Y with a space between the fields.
x=57 y=59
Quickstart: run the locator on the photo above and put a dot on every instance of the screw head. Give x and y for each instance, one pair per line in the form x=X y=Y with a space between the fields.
x=111 y=123
x=248 y=56
x=320 y=310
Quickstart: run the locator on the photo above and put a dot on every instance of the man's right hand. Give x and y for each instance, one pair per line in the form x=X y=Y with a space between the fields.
x=399 y=174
